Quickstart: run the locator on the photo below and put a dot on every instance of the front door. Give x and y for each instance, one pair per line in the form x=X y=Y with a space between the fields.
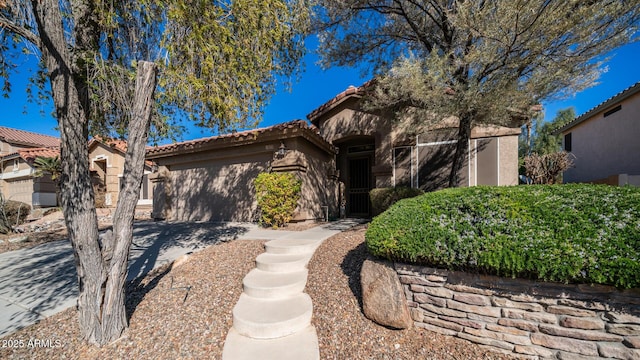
x=359 y=187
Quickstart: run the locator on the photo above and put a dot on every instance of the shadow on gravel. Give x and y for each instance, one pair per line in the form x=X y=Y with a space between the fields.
x=43 y=278
x=136 y=290
x=351 y=266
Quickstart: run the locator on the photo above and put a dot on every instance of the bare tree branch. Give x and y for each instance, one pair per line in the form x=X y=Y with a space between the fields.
x=25 y=33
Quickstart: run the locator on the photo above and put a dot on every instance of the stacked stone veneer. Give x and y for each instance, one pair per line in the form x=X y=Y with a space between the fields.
x=532 y=320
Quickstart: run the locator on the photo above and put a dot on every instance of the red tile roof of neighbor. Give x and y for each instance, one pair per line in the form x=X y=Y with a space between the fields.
x=120 y=145
x=22 y=137
x=30 y=155
x=241 y=137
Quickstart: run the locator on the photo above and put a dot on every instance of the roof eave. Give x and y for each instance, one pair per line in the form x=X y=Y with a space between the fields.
x=625 y=94
x=225 y=142
x=315 y=115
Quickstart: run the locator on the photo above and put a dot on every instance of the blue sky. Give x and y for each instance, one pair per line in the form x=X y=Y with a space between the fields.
x=315 y=87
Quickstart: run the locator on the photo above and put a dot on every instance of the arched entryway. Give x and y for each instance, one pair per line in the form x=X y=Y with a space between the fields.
x=356 y=157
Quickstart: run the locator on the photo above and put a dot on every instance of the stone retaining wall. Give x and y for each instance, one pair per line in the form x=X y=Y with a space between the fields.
x=531 y=320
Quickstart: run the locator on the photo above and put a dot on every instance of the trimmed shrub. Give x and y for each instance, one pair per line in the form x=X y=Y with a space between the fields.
x=277 y=194
x=569 y=233
x=383 y=198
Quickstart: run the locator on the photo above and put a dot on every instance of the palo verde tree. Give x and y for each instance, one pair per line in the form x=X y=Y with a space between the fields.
x=125 y=68
x=484 y=62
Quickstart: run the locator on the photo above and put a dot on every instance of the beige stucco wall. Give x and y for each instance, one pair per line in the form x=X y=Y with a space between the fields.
x=20 y=185
x=508 y=154
x=100 y=153
x=114 y=161
x=318 y=189
x=346 y=121
x=607 y=146
x=7 y=148
x=217 y=185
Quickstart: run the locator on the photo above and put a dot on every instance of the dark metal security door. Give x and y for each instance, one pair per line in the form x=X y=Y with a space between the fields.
x=359 y=187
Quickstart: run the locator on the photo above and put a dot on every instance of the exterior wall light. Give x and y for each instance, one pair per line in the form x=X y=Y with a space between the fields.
x=282 y=150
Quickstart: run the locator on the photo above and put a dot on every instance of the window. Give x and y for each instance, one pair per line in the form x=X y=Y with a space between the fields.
x=15 y=165
x=567 y=142
x=611 y=111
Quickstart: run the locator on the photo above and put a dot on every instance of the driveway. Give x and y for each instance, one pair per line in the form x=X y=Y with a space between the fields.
x=41 y=281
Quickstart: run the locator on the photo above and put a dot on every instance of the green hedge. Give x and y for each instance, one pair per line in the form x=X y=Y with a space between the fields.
x=383 y=198
x=568 y=233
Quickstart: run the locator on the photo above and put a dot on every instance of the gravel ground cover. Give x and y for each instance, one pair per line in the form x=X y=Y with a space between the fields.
x=343 y=330
x=185 y=313
x=180 y=313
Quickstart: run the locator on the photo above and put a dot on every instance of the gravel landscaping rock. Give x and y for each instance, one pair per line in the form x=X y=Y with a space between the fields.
x=343 y=330
x=184 y=312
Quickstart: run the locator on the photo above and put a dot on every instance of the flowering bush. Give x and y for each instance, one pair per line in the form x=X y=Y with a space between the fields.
x=570 y=233
x=277 y=194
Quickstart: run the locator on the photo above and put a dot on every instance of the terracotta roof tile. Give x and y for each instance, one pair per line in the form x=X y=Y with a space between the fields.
x=120 y=145
x=30 y=155
x=196 y=144
x=29 y=138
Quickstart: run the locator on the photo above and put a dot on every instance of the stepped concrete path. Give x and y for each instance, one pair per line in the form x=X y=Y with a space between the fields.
x=272 y=319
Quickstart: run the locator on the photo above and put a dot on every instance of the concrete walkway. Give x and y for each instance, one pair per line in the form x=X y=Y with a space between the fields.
x=41 y=281
x=272 y=319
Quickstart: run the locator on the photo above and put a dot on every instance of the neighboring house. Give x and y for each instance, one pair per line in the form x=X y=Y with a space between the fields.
x=340 y=158
x=12 y=140
x=106 y=163
x=21 y=148
x=604 y=141
x=18 y=181
x=18 y=150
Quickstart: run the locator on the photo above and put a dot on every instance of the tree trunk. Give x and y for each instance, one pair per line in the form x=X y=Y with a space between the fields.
x=462 y=147
x=75 y=182
x=114 y=319
x=101 y=263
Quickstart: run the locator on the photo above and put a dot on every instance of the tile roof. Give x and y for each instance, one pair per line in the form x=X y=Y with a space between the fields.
x=349 y=92
x=617 y=98
x=30 y=155
x=241 y=137
x=120 y=145
x=22 y=137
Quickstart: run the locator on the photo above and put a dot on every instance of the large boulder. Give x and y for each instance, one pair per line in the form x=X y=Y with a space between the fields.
x=383 y=298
